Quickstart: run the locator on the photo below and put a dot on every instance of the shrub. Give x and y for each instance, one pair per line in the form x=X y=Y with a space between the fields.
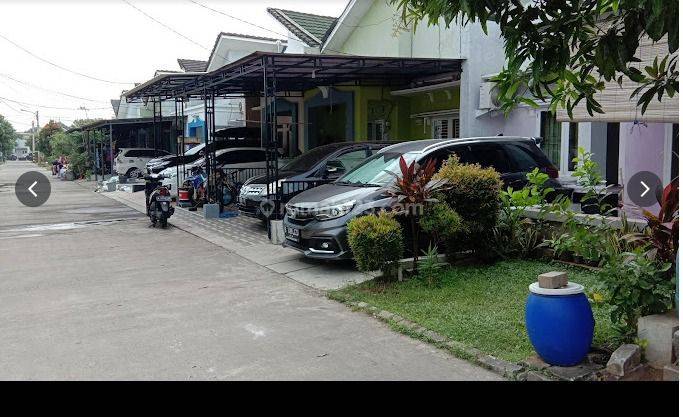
x=474 y=193
x=636 y=285
x=441 y=222
x=376 y=242
x=429 y=268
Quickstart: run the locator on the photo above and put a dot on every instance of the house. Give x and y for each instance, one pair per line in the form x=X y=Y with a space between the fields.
x=624 y=141
x=444 y=108
x=21 y=149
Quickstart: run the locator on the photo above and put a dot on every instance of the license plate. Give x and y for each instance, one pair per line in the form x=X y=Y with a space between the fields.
x=163 y=198
x=292 y=234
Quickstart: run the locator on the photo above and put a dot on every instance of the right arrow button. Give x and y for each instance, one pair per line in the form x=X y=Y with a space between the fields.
x=643 y=188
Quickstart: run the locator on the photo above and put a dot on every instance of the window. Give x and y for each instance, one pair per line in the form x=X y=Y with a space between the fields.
x=353 y=158
x=487 y=155
x=573 y=145
x=551 y=133
x=674 y=152
x=522 y=159
x=446 y=128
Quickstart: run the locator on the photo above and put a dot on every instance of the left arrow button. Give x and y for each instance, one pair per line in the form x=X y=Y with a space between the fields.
x=32 y=189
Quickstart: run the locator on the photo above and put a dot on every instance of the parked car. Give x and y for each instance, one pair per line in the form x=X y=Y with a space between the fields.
x=315 y=220
x=12 y=157
x=318 y=166
x=130 y=162
x=242 y=162
x=157 y=165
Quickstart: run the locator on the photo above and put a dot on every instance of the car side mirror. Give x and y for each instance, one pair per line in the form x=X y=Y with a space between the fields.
x=334 y=168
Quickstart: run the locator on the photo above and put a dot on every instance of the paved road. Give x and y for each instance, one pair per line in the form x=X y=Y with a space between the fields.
x=88 y=291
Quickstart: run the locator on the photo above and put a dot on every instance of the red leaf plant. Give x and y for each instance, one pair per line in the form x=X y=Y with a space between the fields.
x=413 y=189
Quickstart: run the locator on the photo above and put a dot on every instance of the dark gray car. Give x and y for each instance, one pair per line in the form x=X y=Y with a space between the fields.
x=315 y=220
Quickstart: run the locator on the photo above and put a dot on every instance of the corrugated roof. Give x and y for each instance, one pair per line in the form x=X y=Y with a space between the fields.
x=192 y=65
x=310 y=28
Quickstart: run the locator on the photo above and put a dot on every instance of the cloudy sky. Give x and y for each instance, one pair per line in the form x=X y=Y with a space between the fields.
x=112 y=45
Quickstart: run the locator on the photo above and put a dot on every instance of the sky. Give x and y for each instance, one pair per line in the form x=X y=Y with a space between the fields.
x=114 y=43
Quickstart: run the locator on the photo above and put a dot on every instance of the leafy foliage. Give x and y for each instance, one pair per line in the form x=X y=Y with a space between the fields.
x=45 y=135
x=413 y=190
x=515 y=234
x=565 y=51
x=376 y=242
x=473 y=192
x=429 y=267
x=441 y=222
x=636 y=286
x=8 y=137
x=70 y=145
x=662 y=232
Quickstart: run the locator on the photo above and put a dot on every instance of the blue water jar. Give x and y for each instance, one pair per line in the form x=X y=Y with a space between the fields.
x=559 y=323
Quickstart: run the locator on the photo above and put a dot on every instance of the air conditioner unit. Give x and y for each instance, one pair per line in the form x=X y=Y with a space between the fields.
x=485 y=95
x=488 y=96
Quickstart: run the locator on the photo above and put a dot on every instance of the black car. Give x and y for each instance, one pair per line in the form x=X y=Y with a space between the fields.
x=318 y=166
x=315 y=220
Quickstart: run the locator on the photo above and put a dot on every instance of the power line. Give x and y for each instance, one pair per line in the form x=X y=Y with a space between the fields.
x=59 y=66
x=49 y=107
x=254 y=24
x=165 y=25
x=25 y=83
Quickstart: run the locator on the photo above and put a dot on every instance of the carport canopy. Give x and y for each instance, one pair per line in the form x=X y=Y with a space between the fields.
x=297 y=72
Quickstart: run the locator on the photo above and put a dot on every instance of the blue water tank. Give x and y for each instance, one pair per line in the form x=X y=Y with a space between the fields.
x=560 y=323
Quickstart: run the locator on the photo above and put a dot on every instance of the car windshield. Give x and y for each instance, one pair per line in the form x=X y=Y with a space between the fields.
x=373 y=172
x=311 y=158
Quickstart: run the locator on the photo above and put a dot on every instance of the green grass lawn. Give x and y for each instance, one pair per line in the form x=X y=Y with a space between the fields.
x=481 y=306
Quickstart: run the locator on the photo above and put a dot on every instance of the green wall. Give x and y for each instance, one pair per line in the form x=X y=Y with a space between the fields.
x=371 y=103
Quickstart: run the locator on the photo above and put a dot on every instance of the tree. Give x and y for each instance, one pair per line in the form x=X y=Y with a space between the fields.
x=8 y=137
x=565 y=51
x=45 y=136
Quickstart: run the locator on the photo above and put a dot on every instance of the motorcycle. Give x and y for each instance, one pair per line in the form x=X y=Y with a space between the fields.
x=158 y=200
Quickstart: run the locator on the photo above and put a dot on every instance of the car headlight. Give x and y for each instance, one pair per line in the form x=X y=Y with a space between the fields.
x=333 y=212
x=272 y=187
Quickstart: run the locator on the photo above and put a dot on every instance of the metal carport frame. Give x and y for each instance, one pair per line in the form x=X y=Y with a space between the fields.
x=273 y=75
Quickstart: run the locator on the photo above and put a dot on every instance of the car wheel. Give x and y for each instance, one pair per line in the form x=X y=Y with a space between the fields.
x=134 y=173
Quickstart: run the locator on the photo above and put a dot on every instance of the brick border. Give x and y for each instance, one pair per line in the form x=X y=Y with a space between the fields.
x=509 y=370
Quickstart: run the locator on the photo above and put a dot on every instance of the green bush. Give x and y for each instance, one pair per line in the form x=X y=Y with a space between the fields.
x=441 y=222
x=636 y=285
x=376 y=242
x=474 y=193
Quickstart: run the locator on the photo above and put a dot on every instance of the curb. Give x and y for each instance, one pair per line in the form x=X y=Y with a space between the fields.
x=506 y=369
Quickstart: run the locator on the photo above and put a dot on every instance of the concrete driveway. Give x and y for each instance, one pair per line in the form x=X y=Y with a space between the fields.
x=93 y=293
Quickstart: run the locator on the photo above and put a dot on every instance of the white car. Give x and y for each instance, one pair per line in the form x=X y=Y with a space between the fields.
x=131 y=162
x=245 y=162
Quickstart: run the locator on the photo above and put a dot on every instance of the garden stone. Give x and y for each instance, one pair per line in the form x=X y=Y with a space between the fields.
x=535 y=362
x=386 y=315
x=624 y=359
x=363 y=305
x=675 y=347
x=553 y=280
x=658 y=330
x=505 y=368
x=435 y=337
x=573 y=373
x=670 y=373
x=538 y=376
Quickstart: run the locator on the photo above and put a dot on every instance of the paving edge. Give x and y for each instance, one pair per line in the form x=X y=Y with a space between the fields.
x=506 y=369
